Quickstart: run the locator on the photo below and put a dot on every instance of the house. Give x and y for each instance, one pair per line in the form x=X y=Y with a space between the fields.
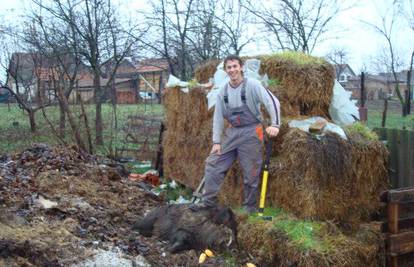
x=142 y=80
x=343 y=72
x=402 y=77
x=376 y=86
x=153 y=74
x=125 y=88
x=26 y=76
x=34 y=76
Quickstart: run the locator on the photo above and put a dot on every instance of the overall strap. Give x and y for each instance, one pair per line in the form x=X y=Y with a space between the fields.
x=242 y=93
x=226 y=95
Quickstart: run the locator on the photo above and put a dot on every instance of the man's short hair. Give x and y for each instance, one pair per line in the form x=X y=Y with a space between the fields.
x=233 y=57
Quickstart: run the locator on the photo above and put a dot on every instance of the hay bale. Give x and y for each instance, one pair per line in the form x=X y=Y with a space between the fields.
x=206 y=71
x=327 y=178
x=291 y=242
x=187 y=139
x=302 y=83
x=186 y=148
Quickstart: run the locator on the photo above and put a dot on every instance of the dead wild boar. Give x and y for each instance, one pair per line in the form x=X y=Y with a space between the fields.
x=185 y=229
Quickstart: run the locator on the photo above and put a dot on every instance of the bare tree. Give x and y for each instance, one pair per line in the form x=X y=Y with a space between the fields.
x=295 y=24
x=389 y=57
x=409 y=15
x=235 y=22
x=22 y=76
x=205 y=38
x=189 y=32
x=170 y=23
x=101 y=38
x=339 y=57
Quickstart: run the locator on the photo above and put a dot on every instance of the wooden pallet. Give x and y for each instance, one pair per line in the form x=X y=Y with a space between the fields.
x=399 y=226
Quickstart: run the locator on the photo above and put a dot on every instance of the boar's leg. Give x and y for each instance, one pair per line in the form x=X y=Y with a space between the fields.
x=180 y=240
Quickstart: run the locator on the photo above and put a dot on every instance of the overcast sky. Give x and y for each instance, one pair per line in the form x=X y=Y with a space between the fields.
x=359 y=39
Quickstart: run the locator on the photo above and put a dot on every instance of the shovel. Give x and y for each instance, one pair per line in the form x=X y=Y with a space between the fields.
x=197 y=194
x=268 y=144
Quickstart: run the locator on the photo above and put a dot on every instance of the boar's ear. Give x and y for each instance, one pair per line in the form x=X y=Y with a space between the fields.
x=224 y=216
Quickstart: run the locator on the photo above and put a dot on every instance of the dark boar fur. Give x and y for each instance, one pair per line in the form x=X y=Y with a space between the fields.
x=186 y=229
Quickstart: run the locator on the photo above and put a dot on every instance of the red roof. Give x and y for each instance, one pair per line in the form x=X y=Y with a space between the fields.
x=152 y=65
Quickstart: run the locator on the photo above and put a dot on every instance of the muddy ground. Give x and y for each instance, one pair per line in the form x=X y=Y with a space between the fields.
x=60 y=207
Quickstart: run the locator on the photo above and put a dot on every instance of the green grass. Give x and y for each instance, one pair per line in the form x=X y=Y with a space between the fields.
x=303 y=234
x=273 y=82
x=229 y=259
x=15 y=134
x=297 y=58
x=192 y=83
x=362 y=130
x=394 y=120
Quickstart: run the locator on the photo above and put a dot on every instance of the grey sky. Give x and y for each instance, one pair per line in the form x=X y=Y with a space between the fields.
x=357 y=38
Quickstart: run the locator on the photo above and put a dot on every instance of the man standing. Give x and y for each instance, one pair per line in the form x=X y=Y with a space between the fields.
x=238 y=102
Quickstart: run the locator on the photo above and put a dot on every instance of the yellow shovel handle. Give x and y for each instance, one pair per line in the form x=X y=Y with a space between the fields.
x=263 y=192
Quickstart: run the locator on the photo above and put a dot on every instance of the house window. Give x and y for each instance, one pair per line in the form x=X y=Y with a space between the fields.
x=342 y=78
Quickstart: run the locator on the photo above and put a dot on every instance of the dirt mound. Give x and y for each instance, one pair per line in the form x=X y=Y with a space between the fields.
x=58 y=205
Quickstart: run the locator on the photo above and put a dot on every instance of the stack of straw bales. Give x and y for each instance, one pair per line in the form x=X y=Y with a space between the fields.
x=302 y=84
x=325 y=178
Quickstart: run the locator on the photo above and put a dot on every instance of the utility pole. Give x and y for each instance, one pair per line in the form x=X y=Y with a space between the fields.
x=363 y=110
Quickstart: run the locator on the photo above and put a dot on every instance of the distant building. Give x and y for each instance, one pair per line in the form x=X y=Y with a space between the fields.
x=343 y=72
x=376 y=86
x=124 y=84
x=153 y=75
x=34 y=76
x=29 y=76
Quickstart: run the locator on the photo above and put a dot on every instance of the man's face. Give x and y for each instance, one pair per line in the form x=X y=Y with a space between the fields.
x=234 y=70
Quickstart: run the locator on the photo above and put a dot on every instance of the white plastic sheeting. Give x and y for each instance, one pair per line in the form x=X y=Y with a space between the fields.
x=342 y=107
x=330 y=127
x=174 y=81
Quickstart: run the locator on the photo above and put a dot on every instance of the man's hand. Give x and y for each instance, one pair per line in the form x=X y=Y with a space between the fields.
x=272 y=131
x=216 y=149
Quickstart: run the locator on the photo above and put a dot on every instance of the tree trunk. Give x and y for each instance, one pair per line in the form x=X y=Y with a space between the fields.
x=98 y=104
x=62 y=121
x=32 y=120
x=400 y=97
x=73 y=126
x=114 y=102
x=88 y=129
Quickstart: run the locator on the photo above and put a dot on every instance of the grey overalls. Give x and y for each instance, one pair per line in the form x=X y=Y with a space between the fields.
x=240 y=141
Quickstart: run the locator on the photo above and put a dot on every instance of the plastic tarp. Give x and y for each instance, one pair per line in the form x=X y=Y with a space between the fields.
x=174 y=81
x=343 y=110
x=330 y=127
